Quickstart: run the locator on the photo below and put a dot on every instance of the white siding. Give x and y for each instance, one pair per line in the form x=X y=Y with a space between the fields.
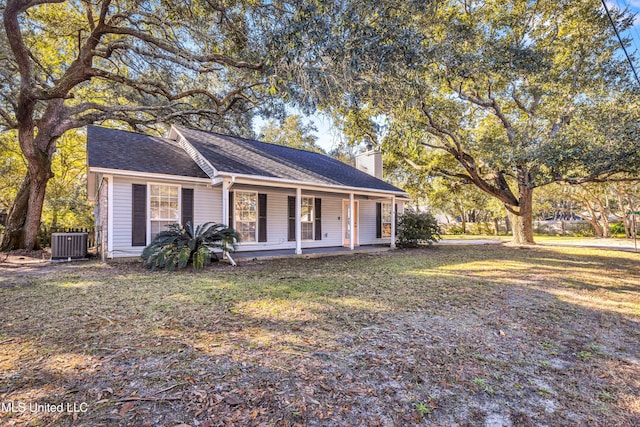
x=207 y=207
x=368 y=222
x=100 y=215
x=206 y=204
x=122 y=212
x=278 y=217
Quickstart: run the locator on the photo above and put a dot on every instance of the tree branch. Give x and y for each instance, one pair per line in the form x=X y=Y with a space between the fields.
x=155 y=87
x=218 y=58
x=110 y=48
x=502 y=191
x=18 y=47
x=607 y=176
x=491 y=105
x=9 y=120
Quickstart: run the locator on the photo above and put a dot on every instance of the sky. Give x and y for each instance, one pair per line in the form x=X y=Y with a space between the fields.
x=329 y=136
x=633 y=32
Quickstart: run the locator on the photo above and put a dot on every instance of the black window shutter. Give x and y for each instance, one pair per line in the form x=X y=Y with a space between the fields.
x=292 y=218
x=318 y=218
x=396 y=219
x=378 y=220
x=139 y=216
x=230 y=223
x=187 y=205
x=262 y=217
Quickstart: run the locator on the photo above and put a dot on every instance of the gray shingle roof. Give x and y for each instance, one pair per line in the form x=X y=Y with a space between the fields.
x=244 y=156
x=118 y=149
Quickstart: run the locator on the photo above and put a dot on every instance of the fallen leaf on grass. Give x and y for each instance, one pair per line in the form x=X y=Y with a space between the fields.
x=233 y=400
x=126 y=408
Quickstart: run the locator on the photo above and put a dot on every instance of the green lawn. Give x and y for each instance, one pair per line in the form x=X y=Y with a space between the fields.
x=538 y=238
x=447 y=336
x=475 y=237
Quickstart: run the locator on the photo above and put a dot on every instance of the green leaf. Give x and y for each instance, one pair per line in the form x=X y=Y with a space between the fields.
x=176 y=247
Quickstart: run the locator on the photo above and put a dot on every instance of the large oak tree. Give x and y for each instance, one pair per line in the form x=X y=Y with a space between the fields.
x=66 y=64
x=506 y=95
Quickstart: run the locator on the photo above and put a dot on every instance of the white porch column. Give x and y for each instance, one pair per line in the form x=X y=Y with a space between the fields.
x=298 y=221
x=109 y=230
x=393 y=222
x=226 y=184
x=352 y=222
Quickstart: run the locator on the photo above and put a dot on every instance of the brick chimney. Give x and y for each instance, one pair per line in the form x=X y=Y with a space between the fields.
x=370 y=161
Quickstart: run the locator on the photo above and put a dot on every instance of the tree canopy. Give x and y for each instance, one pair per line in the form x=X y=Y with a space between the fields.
x=506 y=95
x=66 y=64
x=509 y=96
x=291 y=132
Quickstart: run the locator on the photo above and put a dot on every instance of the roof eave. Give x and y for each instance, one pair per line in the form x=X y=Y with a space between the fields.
x=126 y=172
x=294 y=183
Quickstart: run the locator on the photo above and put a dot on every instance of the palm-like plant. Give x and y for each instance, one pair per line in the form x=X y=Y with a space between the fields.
x=178 y=246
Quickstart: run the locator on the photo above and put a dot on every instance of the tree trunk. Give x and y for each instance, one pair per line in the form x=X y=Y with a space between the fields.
x=14 y=231
x=522 y=222
x=604 y=216
x=623 y=212
x=23 y=223
x=463 y=217
x=631 y=219
x=34 y=213
x=593 y=219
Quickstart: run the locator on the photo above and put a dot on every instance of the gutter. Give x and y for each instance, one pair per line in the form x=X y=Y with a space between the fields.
x=293 y=184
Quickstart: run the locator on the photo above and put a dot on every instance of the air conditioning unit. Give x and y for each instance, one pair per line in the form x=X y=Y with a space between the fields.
x=68 y=245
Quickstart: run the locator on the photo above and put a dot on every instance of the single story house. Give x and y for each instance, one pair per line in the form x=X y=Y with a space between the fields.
x=276 y=197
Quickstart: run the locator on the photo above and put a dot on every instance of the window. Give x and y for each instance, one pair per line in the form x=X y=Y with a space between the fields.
x=246 y=216
x=386 y=220
x=307 y=217
x=163 y=207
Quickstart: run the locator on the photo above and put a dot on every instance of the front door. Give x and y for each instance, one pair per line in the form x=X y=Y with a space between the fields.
x=346 y=223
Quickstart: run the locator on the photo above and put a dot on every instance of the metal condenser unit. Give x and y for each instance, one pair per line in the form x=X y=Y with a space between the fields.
x=68 y=245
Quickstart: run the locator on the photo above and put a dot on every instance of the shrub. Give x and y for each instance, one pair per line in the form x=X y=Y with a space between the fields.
x=178 y=246
x=417 y=228
x=480 y=228
x=582 y=230
x=456 y=229
x=616 y=228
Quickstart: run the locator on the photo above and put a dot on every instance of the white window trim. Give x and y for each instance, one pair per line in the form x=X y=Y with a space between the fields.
x=313 y=218
x=149 y=184
x=382 y=222
x=235 y=200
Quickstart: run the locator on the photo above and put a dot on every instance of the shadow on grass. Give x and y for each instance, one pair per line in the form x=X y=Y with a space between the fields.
x=334 y=341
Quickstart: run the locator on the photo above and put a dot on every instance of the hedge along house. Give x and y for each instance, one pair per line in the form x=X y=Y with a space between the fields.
x=276 y=197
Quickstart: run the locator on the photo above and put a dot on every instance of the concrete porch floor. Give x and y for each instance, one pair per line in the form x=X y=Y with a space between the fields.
x=307 y=253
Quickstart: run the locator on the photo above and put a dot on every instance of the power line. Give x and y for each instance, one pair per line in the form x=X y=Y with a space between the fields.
x=613 y=24
x=624 y=5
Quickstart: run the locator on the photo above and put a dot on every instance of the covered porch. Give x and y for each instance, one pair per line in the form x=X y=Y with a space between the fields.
x=277 y=218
